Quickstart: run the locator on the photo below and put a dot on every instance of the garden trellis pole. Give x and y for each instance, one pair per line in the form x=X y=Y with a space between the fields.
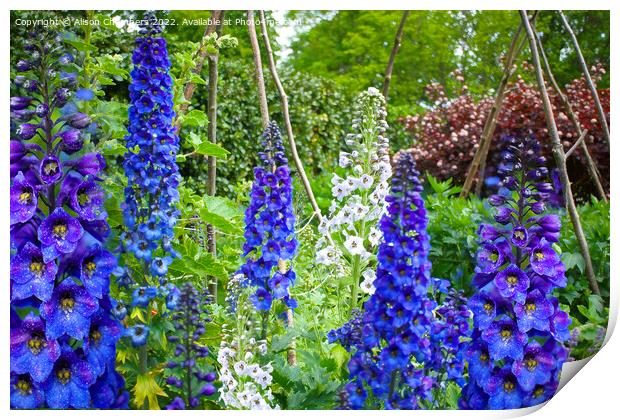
x=258 y=71
x=559 y=156
x=213 y=60
x=201 y=57
x=291 y=356
x=287 y=119
x=491 y=121
x=586 y=74
x=591 y=165
x=395 y=48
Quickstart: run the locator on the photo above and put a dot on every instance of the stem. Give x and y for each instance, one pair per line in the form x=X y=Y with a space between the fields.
x=188 y=351
x=356 y=282
x=586 y=74
x=395 y=48
x=211 y=160
x=287 y=120
x=560 y=159
x=143 y=359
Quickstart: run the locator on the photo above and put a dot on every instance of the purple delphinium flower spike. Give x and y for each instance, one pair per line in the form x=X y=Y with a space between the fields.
x=188 y=371
x=59 y=265
x=517 y=350
x=270 y=226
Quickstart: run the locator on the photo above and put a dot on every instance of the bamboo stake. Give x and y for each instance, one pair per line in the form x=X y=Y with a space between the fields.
x=591 y=165
x=287 y=119
x=291 y=356
x=213 y=60
x=586 y=73
x=201 y=56
x=491 y=121
x=577 y=143
x=395 y=48
x=258 y=68
x=559 y=156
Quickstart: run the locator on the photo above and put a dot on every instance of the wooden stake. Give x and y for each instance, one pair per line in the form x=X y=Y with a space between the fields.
x=287 y=119
x=395 y=48
x=491 y=121
x=258 y=70
x=559 y=156
x=586 y=73
x=201 y=56
x=211 y=160
x=591 y=165
x=291 y=355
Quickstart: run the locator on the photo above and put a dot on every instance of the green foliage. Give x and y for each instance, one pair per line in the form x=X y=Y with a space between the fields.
x=434 y=44
x=453 y=222
x=318 y=111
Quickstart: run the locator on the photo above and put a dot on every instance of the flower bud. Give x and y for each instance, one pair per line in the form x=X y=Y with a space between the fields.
x=79 y=120
x=27 y=131
x=71 y=140
x=23 y=65
x=19 y=102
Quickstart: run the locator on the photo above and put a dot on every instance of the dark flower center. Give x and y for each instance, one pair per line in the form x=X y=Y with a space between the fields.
x=36 y=343
x=24 y=386
x=50 y=168
x=67 y=303
x=512 y=280
x=60 y=230
x=25 y=197
x=89 y=267
x=539 y=256
x=484 y=357
x=488 y=307
x=36 y=266
x=64 y=375
x=494 y=256
x=83 y=198
x=139 y=331
x=531 y=363
x=95 y=336
x=141 y=292
x=509 y=386
x=505 y=333
x=539 y=391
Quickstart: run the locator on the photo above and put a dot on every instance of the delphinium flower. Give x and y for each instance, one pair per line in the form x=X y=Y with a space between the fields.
x=151 y=195
x=449 y=331
x=63 y=347
x=349 y=233
x=517 y=351
x=150 y=164
x=387 y=368
x=270 y=242
x=245 y=381
x=189 y=375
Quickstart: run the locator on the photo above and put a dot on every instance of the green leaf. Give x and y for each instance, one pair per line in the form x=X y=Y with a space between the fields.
x=220 y=223
x=81 y=46
x=195 y=118
x=574 y=259
x=453 y=393
x=205 y=266
x=212 y=149
x=146 y=388
x=113 y=148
